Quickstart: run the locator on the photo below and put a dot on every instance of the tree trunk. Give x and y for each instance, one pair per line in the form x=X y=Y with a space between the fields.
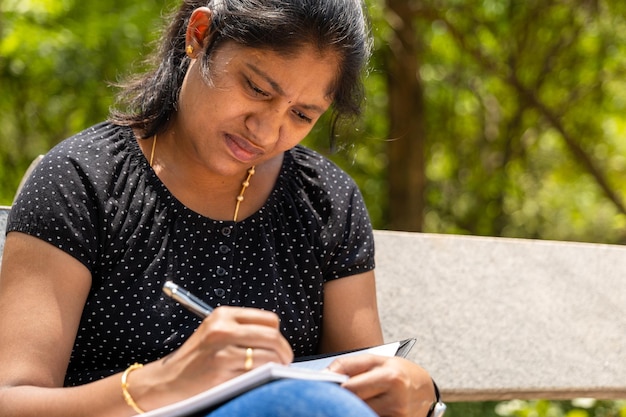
x=407 y=178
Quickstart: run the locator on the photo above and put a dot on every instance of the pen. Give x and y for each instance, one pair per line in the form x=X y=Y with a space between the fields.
x=187 y=299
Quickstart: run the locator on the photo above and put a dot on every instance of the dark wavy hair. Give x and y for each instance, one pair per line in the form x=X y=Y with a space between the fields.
x=283 y=26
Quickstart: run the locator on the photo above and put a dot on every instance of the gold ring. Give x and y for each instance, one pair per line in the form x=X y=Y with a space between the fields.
x=249 y=361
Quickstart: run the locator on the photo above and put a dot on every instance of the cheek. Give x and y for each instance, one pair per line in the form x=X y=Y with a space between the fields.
x=291 y=136
x=203 y=102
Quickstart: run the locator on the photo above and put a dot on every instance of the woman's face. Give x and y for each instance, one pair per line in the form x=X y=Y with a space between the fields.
x=258 y=105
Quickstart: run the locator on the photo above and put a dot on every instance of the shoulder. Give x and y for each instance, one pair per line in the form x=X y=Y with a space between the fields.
x=319 y=185
x=94 y=141
x=80 y=183
x=330 y=202
x=307 y=157
x=94 y=153
x=82 y=167
x=315 y=169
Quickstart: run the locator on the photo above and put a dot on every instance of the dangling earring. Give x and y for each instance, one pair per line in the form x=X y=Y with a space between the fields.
x=189 y=49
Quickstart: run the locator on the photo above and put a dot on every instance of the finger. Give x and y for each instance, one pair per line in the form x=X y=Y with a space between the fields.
x=251 y=358
x=370 y=384
x=244 y=328
x=356 y=364
x=251 y=316
x=263 y=337
x=238 y=360
x=376 y=381
x=391 y=386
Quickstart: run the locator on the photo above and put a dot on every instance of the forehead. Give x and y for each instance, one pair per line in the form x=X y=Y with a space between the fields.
x=305 y=68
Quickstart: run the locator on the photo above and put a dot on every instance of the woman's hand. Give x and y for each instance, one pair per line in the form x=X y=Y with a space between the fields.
x=215 y=353
x=391 y=386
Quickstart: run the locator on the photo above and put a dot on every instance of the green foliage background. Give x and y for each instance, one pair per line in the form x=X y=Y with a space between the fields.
x=57 y=60
x=526 y=112
x=524 y=102
x=525 y=109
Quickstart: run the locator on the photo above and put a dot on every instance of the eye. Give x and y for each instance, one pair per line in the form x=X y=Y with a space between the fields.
x=255 y=89
x=302 y=117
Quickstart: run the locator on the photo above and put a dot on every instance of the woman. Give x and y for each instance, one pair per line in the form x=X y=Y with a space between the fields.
x=202 y=181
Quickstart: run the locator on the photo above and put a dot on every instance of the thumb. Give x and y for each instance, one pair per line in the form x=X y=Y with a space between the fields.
x=355 y=364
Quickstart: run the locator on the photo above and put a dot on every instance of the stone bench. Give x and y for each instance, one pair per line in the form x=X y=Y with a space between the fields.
x=499 y=318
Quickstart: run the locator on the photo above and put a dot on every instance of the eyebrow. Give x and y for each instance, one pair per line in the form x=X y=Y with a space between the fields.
x=278 y=89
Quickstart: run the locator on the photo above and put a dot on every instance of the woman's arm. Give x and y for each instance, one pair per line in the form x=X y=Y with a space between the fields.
x=350 y=314
x=42 y=294
x=393 y=387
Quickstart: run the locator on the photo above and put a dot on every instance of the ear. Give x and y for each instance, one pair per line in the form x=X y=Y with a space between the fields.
x=198 y=31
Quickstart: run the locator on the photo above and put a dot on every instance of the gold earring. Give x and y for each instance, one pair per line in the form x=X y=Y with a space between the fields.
x=189 y=49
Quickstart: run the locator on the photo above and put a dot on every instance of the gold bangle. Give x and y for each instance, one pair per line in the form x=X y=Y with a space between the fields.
x=125 y=393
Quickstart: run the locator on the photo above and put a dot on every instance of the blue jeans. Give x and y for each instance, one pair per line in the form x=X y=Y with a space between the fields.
x=295 y=398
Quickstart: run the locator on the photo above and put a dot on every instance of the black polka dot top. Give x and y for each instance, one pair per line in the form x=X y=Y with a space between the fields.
x=95 y=197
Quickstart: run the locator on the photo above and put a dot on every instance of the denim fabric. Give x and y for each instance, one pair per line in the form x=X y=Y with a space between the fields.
x=295 y=398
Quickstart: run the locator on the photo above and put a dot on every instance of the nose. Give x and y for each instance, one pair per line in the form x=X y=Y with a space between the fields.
x=264 y=125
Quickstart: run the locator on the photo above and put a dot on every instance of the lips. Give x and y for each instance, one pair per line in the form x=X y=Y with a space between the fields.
x=242 y=149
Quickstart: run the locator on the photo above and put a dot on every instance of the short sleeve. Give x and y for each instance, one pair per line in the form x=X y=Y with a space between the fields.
x=344 y=241
x=354 y=252
x=55 y=206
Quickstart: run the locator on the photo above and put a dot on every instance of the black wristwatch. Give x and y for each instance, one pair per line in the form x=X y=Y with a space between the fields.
x=438 y=408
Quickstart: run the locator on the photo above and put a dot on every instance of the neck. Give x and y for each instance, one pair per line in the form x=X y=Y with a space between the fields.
x=238 y=198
